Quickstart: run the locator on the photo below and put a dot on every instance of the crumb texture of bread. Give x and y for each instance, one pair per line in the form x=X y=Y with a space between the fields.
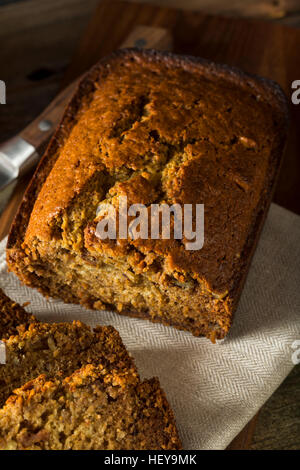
x=156 y=128
x=93 y=409
x=13 y=317
x=57 y=350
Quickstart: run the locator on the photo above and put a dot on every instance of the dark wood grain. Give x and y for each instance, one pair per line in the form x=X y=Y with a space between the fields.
x=244 y=439
x=38 y=39
x=267 y=9
x=278 y=426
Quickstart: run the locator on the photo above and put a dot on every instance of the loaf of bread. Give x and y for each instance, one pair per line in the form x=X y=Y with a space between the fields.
x=156 y=128
x=59 y=349
x=13 y=317
x=94 y=409
x=89 y=395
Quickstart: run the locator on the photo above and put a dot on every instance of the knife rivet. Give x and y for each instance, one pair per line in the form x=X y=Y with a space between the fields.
x=45 y=125
x=140 y=43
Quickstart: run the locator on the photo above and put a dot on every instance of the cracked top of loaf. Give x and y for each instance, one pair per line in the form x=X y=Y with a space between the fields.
x=163 y=128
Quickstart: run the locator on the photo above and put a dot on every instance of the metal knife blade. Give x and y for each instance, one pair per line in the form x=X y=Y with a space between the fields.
x=16 y=157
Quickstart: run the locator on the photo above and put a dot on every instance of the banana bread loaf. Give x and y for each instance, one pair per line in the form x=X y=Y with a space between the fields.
x=92 y=410
x=156 y=128
x=13 y=317
x=59 y=349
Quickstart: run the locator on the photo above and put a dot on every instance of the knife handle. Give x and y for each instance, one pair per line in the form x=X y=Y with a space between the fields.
x=38 y=132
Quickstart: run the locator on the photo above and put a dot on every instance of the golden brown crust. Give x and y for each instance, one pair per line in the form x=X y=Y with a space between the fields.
x=159 y=128
x=13 y=317
x=92 y=409
x=58 y=349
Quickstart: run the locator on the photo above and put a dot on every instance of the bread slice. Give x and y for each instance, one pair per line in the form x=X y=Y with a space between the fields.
x=58 y=350
x=13 y=317
x=94 y=409
x=158 y=129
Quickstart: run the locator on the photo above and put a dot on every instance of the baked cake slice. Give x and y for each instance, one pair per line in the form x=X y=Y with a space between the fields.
x=59 y=349
x=94 y=409
x=155 y=128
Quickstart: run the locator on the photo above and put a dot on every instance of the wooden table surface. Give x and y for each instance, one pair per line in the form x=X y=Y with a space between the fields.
x=38 y=50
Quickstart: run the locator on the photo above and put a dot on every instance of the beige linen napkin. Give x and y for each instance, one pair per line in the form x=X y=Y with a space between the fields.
x=214 y=389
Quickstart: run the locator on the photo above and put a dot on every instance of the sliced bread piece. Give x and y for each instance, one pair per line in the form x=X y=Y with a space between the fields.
x=59 y=349
x=93 y=409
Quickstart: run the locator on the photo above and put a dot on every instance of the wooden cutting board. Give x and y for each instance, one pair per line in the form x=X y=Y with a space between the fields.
x=262 y=48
